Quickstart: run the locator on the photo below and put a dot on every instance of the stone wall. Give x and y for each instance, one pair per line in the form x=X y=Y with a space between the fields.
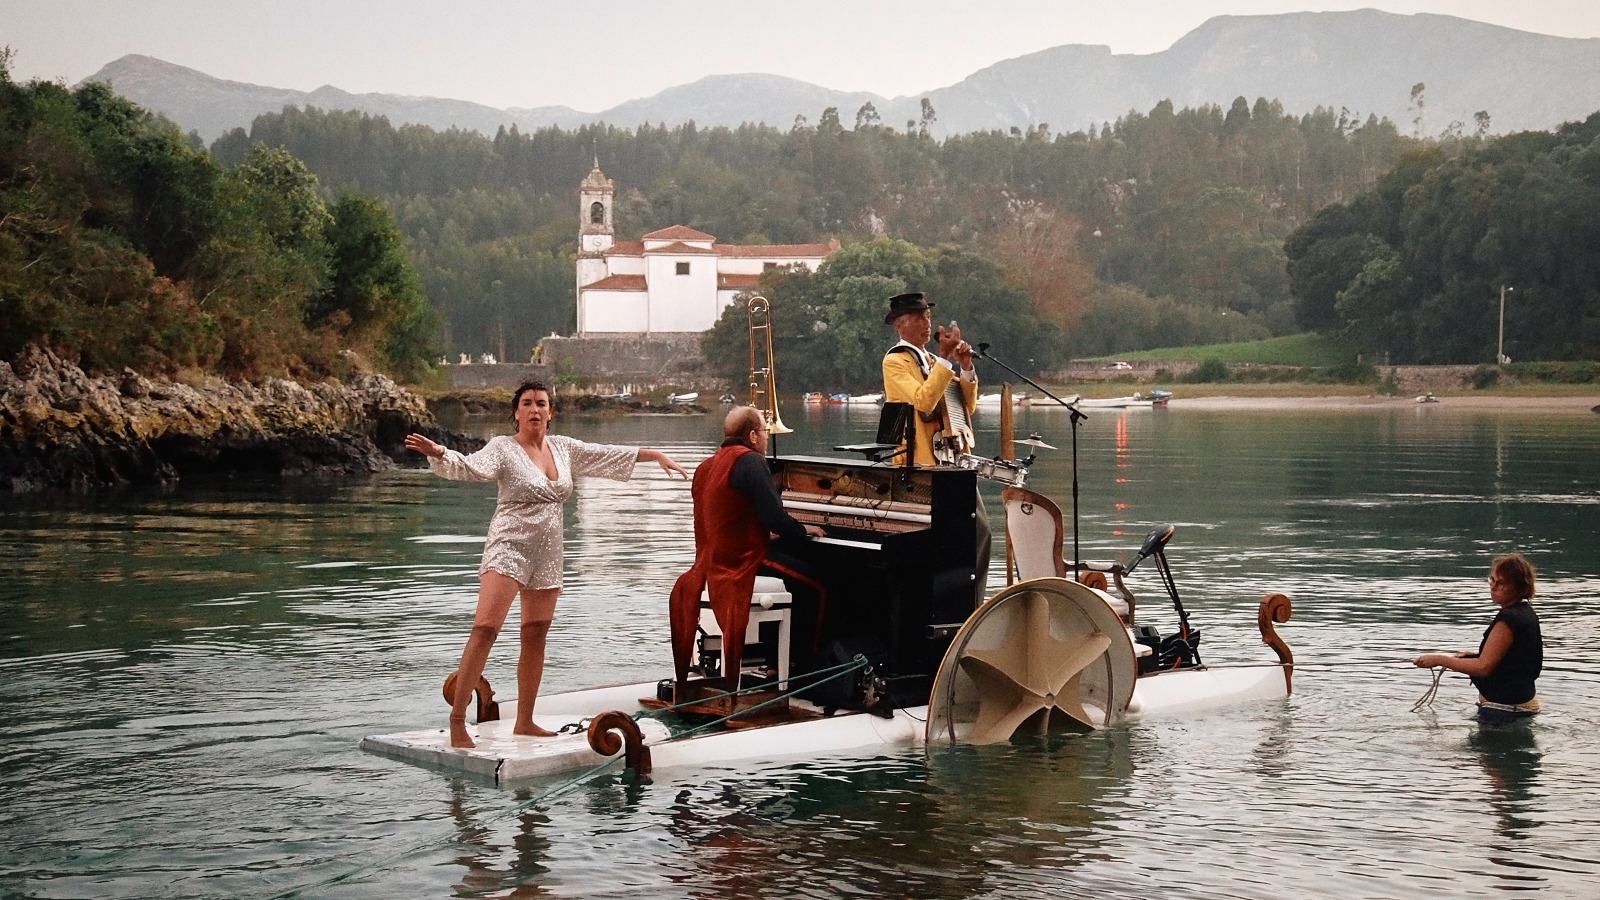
x=477 y=376
x=604 y=364
x=1144 y=370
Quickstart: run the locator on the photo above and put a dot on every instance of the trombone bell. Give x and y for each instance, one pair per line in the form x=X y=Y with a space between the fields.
x=763 y=378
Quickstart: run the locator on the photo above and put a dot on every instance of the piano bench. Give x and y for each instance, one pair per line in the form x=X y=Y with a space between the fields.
x=769 y=602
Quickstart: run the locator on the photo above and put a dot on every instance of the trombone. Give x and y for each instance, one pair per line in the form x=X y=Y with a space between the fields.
x=763 y=379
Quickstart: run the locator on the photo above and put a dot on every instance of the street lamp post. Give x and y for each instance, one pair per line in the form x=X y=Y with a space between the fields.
x=1500 y=346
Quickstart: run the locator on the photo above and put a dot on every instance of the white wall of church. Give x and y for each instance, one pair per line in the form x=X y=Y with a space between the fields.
x=613 y=311
x=626 y=265
x=682 y=302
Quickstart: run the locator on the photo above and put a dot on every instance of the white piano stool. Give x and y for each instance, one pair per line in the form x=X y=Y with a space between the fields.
x=770 y=601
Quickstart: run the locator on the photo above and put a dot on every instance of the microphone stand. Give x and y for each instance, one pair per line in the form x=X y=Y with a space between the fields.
x=1075 y=416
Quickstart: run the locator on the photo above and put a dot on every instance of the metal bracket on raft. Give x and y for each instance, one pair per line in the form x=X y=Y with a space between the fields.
x=613 y=731
x=1275 y=608
x=488 y=709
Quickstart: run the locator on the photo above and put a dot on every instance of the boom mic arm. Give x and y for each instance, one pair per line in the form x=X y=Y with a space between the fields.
x=982 y=351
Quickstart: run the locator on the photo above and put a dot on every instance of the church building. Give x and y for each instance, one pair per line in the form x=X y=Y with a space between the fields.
x=673 y=280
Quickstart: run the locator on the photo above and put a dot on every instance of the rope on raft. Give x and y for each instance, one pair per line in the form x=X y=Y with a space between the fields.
x=811 y=680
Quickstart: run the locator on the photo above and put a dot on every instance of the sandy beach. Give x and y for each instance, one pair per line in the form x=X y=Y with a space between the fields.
x=1577 y=405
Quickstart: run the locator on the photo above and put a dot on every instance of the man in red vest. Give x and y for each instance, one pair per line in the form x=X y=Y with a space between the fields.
x=736 y=508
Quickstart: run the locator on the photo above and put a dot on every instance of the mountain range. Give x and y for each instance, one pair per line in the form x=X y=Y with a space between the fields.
x=1363 y=61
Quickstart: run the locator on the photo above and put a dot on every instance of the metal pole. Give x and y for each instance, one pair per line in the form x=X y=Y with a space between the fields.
x=1077 y=559
x=1500 y=345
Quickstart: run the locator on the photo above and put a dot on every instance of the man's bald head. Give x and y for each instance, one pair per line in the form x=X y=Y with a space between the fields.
x=741 y=421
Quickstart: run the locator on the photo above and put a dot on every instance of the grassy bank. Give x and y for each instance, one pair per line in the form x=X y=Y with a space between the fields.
x=1303 y=350
x=1304 y=389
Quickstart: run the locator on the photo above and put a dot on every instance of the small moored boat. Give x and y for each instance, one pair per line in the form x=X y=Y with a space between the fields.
x=683 y=399
x=994 y=399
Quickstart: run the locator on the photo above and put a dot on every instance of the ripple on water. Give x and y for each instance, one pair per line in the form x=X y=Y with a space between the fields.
x=195 y=735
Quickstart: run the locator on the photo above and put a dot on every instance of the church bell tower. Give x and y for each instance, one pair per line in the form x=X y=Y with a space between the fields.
x=594 y=210
x=595 y=231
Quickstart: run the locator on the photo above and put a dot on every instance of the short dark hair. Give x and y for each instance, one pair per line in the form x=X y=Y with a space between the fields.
x=527 y=386
x=1516 y=572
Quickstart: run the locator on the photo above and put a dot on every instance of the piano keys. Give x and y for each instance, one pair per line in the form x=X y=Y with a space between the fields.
x=898 y=564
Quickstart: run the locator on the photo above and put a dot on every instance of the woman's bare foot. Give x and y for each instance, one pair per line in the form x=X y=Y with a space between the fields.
x=458 y=733
x=532 y=730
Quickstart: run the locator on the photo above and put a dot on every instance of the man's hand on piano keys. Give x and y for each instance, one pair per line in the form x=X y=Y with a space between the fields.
x=815 y=531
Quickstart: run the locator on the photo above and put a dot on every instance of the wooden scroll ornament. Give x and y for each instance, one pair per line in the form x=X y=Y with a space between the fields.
x=613 y=731
x=1275 y=608
x=488 y=709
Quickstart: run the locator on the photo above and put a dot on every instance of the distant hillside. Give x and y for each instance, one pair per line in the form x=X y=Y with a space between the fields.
x=199 y=102
x=1366 y=61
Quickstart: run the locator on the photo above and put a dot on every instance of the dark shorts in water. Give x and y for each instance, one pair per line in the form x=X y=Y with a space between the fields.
x=1495 y=715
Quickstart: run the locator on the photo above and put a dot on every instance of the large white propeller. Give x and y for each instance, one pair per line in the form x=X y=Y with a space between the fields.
x=1042 y=645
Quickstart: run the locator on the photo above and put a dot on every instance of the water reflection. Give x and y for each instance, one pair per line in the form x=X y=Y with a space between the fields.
x=185 y=675
x=1510 y=756
x=480 y=855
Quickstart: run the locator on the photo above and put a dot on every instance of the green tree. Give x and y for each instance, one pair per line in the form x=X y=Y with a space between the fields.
x=374 y=298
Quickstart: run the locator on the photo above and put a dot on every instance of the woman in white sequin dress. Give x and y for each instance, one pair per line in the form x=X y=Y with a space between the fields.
x=534 y=470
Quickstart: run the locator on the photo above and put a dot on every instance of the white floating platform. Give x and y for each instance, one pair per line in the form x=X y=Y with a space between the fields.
x=504 y=757
x=1197 y=690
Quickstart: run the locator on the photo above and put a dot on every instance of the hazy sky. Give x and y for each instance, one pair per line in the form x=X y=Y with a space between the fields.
x=594 y=56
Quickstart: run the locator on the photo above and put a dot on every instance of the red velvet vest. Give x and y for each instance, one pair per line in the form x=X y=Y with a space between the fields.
x=729 y=544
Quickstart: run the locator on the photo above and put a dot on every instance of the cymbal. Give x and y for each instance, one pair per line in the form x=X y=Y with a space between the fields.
x=1034 y=441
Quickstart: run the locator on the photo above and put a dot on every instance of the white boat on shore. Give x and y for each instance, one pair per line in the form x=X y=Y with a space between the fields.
x=1136 y=400
x=994 y=399
x=683 y=399
x=864 y=399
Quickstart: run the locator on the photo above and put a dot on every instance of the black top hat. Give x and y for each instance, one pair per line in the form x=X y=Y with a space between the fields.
x=899 y=304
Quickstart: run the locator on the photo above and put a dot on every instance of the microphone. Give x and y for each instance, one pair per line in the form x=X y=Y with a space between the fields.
x=982 y=350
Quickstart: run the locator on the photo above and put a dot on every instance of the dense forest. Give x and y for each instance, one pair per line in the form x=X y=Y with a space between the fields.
x=122 y=244
x=1160 y=228
x=1413 y=269
x=321 y=241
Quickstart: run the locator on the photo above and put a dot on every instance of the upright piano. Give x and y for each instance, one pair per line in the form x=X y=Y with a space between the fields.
x=899 y=565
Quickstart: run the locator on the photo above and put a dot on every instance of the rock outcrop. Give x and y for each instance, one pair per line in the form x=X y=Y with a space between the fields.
x=62 y=429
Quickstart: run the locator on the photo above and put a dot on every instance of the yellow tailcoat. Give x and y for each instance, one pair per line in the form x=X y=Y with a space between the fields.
x=903 y=382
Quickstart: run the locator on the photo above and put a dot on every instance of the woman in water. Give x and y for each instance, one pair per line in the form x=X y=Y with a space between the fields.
x=534 y=470
x=1511 y=654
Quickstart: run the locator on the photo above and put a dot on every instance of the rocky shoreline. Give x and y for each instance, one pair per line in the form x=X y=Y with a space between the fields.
x=62 y=429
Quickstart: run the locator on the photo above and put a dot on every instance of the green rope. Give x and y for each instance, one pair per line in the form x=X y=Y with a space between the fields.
x=833 y=672
x=838 y=671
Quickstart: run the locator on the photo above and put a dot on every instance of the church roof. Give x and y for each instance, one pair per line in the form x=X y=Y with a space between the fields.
x=625 y=248
x=738 y=282
x=618 y=283
x=678 y=248
x=764 y=251
x=596 y=179
x=678 y=233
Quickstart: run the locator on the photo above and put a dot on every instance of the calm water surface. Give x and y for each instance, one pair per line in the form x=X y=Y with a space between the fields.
x=184 y=678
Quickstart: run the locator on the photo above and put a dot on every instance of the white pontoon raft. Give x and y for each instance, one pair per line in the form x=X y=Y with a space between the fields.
x=890 y=646
x=1041 y=655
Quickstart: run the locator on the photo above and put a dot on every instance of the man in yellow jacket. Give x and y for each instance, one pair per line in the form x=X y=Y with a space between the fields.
x=913 y=375
x=933 y=384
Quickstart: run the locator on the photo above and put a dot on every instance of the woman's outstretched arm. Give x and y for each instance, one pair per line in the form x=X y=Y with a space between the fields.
x=656 y=456
x=1494 y=650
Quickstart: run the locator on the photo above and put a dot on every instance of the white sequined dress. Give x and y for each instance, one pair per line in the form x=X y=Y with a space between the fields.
x=525 y=536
